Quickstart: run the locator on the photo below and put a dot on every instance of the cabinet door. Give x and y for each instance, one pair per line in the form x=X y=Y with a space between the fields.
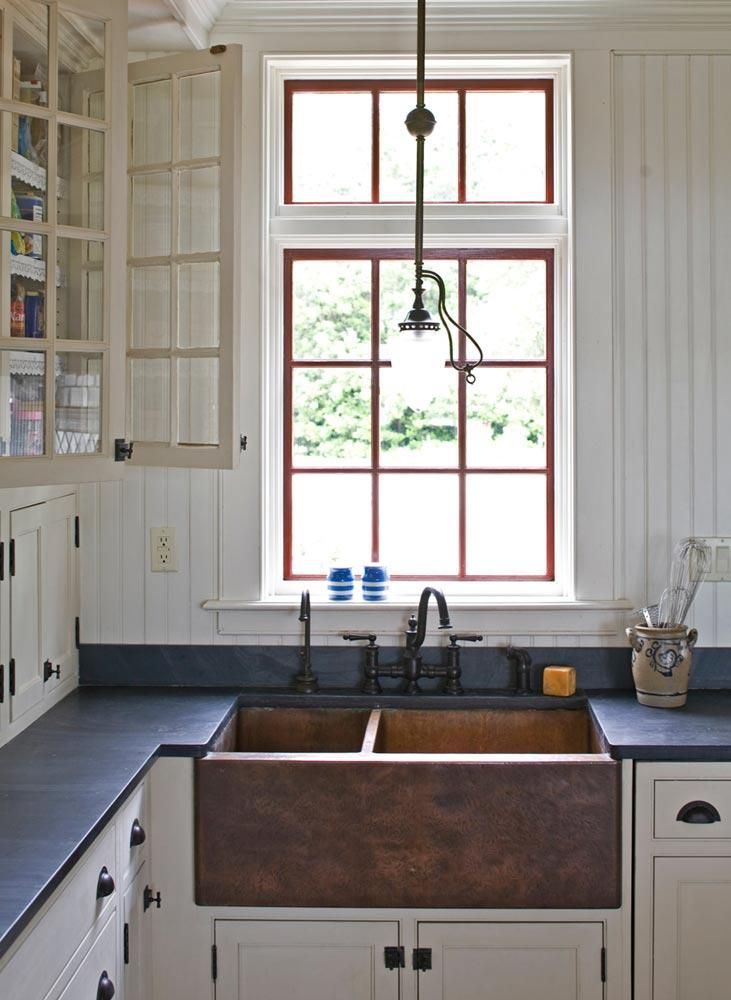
x=26 y=569
x=473 y=961
x=309 y=960
x=136 y=967
x=59 y=589
x=692 y=917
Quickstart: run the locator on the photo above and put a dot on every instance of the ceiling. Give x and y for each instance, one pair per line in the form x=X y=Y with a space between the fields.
x=171 y=25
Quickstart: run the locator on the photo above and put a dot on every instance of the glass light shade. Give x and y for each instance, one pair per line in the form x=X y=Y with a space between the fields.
x=417 y=360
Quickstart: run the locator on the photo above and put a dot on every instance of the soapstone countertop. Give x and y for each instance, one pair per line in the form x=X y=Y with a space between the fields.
x=63 y=778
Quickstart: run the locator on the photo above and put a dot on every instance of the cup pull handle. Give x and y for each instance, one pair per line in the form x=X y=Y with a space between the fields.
x=699 y=812
x=105 y=989
x=137 y=834
x=105 y=885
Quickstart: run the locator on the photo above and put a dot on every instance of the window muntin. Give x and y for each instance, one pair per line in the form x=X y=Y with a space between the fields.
x=345 y=142
x=365 y=477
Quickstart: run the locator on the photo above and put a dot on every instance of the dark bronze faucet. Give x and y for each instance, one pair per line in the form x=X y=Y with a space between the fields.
x=412 y=667
x=306 y=682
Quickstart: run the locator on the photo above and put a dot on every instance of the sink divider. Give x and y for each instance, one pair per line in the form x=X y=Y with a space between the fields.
x=369 y=737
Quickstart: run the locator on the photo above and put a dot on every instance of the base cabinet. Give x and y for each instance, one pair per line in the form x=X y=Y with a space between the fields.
x=136 y=940
x=515 y=961
x=309 y=960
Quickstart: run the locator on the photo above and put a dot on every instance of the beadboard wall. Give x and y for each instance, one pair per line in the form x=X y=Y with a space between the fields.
x=653 y=424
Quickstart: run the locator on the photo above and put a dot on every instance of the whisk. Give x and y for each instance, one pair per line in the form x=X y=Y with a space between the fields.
x=691 y=563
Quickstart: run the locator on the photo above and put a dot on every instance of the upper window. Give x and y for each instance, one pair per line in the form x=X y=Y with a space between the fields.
x=345 y=141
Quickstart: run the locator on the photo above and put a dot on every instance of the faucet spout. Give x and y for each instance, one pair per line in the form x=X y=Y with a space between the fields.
x=417 y=640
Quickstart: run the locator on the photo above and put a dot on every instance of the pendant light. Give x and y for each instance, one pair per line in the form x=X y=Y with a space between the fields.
x=420 y=123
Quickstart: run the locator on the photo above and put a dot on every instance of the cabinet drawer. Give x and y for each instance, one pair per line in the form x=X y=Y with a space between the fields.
x=692 y=810
x=100 y=960
x=74 y=912
x=133 y=831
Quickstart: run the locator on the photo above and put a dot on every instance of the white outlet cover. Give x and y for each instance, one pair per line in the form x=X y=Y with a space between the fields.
x=163 y=550
x=720 y=546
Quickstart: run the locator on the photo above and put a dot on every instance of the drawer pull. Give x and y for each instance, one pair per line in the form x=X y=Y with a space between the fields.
x=699 y=812
x=137 y=834
x=105 y=989
x=105 y=885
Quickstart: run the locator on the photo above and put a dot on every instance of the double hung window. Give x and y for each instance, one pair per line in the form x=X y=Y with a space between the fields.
x=386 y=454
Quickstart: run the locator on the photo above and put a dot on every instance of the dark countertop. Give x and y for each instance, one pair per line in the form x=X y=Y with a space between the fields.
x=63 y=778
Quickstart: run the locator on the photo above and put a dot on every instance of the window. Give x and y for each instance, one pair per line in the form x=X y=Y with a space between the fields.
x=374 y=455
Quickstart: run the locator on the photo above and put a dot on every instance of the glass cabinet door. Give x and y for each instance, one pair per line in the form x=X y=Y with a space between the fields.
x=61 y=239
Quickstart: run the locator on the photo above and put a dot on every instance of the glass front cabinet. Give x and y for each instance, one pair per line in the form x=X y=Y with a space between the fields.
x=88 y=355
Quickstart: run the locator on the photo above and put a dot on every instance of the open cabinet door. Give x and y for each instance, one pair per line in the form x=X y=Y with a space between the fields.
x=183 y=274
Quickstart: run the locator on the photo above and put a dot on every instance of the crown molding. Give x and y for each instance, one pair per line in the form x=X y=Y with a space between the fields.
x=196 y=18
x=334 y=15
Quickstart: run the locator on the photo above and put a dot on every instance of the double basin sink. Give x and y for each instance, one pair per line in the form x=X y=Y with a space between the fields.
x=413 y=807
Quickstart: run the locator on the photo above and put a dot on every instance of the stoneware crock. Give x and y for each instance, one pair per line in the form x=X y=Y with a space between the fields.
x=661 y=662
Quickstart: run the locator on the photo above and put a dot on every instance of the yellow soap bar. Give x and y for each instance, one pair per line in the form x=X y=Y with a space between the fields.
x=559 y=681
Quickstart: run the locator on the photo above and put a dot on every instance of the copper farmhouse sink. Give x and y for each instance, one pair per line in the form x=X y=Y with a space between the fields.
x=465 y=807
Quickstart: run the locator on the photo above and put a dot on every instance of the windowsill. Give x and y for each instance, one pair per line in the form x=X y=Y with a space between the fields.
x=403 y=603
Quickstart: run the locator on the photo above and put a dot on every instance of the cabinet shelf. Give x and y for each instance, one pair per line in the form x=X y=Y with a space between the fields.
x=34 y=175
x=33 y=269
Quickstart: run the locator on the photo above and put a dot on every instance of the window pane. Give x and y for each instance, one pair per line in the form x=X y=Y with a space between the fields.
x=30 y=54
x=419 y=432
x=27 y=285
x=22 y=402
x=28 y=168
x=199 y=210
x=151 y=123
x=331 y=521
x=331 y=309
x=200 y=97
x=150 y=306
x=506 y=146
x=506 y=525
x=81 y=52
x=80 y=294
x=331 y=147
x=78 y=403
x=150 y=398
x=506 y=419
x=198 y=401
x=331 y=417
x=199 y=321
x=398 y=148
x=410 y=541
x=506 y=307
x=151 y=215
x=397 y=297
x=81 y=166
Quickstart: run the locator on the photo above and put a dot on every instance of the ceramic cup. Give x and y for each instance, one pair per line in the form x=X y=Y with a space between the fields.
x=661 y=662
x=374 y=583
x=340 y=583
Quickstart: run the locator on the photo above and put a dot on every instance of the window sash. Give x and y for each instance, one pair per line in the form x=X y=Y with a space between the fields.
x=462 y=469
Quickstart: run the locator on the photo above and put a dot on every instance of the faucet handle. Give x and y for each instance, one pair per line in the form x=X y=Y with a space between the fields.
x=358 y=637
x=454 y=639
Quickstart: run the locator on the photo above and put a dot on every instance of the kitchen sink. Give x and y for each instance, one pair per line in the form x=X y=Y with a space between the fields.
x=428 y=807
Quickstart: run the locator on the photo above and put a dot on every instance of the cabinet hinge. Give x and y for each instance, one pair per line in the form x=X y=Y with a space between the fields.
x=394 y=958
x=422 y=959
x=11 y=678
x=2 y=561
x=122 y=449
x=604 y=965
x=126 y=944
x=77 y=631
x=11 y=557
x=214 y=962
x=2 y=683
x=77 y=532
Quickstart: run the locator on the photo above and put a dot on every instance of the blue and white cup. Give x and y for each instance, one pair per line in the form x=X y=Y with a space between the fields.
x=375 y=582
x=340 y=583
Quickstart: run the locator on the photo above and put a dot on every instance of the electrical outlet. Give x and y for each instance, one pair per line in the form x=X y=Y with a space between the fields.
x=163 y=550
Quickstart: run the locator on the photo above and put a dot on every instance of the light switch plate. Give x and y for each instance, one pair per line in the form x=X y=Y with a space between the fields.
x=163 y=550
x=720 y=546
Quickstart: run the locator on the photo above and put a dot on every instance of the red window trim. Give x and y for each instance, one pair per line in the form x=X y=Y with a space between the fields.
x=374 y=87
x=375 y=364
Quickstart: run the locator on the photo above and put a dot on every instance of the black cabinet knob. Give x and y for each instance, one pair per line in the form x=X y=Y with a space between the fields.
x=50 y=671
x=699 y=812
x=105 y=885
x=148 y=899
x=137 y=834
x=105 y=989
